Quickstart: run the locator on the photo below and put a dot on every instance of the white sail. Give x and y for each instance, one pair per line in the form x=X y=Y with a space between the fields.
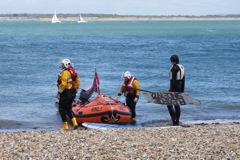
x=80 y=19
x=55 y=19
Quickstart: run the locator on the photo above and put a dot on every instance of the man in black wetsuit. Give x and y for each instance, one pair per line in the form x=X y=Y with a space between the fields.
x=177 y=82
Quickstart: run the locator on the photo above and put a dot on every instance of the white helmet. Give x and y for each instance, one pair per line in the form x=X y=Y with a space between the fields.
x=66 y=63
x=127 y=74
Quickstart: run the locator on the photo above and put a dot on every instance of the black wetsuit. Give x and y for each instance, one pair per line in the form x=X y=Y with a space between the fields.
x=175 y=86
x=65 y=104
x=131 y=104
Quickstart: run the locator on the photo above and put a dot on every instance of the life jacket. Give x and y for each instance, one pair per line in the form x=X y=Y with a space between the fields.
x=180 y=73
x=72 y=79
x=128 y=86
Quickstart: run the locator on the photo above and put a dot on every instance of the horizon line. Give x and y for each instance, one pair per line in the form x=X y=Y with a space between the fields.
x=179 y=15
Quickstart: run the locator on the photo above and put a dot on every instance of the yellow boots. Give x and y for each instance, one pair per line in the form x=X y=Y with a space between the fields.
x=65 y=126
x=75 y=125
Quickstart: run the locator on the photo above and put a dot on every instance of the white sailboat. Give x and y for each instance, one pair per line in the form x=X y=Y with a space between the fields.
x=55 y=19
x=80 y=19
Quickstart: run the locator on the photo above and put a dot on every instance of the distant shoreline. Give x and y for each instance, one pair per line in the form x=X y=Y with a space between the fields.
x=127 y=18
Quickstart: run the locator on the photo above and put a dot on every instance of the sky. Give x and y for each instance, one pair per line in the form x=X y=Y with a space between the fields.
x=123 y=7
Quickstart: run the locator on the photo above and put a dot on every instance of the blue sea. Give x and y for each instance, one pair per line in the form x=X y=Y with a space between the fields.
x=31 y=52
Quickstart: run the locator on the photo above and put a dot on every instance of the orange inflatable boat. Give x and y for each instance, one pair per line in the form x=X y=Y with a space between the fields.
x=103 y=109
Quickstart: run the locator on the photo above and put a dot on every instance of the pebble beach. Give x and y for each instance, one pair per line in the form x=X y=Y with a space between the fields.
x=205 y=141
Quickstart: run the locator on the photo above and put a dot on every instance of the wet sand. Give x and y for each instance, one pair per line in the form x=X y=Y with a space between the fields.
x=211 y=141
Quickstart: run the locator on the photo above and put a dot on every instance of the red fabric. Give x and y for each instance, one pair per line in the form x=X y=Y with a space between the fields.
x=72 y=71
x=73 y=75
x=128 y=85
x=96 y=83
x=170 y=89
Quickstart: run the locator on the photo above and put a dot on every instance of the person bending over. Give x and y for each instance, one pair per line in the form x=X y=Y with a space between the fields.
x=131 y=90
